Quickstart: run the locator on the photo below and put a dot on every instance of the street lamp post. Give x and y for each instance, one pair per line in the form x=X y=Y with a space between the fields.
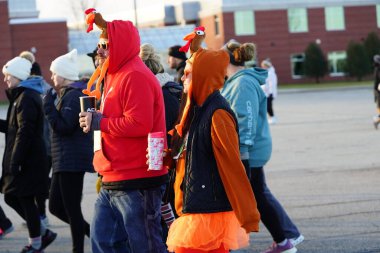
x=135 y=9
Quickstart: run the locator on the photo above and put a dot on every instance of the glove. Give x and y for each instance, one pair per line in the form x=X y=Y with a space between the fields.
x=95 y=122
x=247 y=168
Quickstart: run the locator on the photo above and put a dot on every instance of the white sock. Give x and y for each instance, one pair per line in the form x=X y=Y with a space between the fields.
x=283 y=242
x=42 y=228
x=35 y=242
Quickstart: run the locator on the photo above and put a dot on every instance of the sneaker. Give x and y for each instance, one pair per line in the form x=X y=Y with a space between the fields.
x=297 y=240
x=47 y=238
x=272 y=120
x=6 y=231
x=30 y=249
x=275 y=248
x=376 y=121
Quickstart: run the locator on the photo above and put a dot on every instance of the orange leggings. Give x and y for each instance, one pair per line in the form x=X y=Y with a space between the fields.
x=186 y=250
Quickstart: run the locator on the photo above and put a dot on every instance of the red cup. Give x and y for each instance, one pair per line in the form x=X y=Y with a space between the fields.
x=155 y=150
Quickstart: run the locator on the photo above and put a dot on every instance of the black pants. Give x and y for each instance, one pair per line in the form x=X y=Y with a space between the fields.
x=5 y=223
x=272 y=213
x=270 y=105
x=41 y=199
x=65 y=203
x=26 y=207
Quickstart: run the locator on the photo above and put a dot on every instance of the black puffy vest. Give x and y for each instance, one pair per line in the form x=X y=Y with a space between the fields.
x=203 y=187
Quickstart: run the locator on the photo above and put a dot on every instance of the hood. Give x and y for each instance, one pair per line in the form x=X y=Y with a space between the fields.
x=164 y=78
x=82 y=84
x=209 y=70
x=173 y=85
x=124 y=43
x=258 y=73
x=35 y=83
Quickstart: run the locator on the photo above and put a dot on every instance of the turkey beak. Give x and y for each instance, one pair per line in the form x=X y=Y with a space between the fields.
x=189 y=36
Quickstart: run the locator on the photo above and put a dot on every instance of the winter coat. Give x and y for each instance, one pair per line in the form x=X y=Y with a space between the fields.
x=172 y=93
x=270 y=87
x=180 y=71
x=24 y=160
x=248 y=101
x=71 y=149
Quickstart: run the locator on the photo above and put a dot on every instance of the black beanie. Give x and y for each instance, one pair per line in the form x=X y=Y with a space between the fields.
x=174 y=51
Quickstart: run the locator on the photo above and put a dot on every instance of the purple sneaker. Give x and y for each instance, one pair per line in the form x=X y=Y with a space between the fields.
x=287 y=248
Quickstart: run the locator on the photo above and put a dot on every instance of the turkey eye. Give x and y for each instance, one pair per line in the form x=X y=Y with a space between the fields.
x=200 y=32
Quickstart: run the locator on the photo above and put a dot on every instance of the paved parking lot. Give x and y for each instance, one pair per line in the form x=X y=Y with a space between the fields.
x=325 y=170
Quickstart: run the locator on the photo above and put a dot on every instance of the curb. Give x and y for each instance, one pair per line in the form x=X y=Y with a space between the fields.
x=324 y=89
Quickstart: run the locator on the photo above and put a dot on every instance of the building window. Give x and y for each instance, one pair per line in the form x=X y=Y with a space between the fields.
x=244 y=23
x=334 y=18
x=297 y=20
x=378 y=14
x=337 y=62
x=216 y=24
x=297 y=61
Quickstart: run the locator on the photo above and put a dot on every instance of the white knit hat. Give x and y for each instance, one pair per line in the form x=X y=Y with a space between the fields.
x=18 y=67
x=66 y=66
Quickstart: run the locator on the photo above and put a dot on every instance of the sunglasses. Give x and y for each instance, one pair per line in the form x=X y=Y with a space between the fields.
x=103 y=45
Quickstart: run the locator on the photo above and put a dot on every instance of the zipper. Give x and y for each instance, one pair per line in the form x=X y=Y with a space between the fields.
x=104 y=100
x=213 y=184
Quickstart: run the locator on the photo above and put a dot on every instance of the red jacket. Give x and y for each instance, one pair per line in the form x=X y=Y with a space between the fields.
x=132 y=106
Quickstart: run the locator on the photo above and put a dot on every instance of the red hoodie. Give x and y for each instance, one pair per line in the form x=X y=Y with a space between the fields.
x=132 y=106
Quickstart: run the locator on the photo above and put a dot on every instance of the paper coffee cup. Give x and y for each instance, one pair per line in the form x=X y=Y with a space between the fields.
x=87 y=103
x=155 y=150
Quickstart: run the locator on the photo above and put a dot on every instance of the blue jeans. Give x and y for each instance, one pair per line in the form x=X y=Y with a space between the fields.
x=128 y=222
x=273 y=215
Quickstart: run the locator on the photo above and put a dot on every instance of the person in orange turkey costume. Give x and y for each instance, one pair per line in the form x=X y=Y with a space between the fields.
x=214 y=199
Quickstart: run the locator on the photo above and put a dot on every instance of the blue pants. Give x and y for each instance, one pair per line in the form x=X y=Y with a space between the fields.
x=273 y=215
x=128 y=222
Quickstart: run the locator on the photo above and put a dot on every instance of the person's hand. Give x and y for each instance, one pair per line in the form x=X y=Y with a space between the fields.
x=85 y=119
x=164 y=154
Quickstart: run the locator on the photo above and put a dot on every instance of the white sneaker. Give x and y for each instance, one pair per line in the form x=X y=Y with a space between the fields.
x=272 y=120
x=376 y=121
x=296 y=241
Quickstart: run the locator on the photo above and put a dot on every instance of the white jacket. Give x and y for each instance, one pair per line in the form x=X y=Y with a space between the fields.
x=270 y=86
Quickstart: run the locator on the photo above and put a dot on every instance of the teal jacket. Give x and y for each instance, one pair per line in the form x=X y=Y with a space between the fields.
x=249 y=103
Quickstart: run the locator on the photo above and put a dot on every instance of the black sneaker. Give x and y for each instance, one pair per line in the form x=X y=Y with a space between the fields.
x=30 y=249
x=47 y=238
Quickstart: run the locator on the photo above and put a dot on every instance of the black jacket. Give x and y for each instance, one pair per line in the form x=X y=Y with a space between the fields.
x=172 y=93
x=24 y=160
x=203 y=188
x=71 y=149
x=180 y=71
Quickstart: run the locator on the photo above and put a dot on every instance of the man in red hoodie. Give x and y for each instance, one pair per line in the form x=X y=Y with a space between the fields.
x=127 y=211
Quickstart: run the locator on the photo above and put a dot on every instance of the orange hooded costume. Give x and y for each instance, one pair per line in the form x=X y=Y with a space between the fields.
x=222 y=229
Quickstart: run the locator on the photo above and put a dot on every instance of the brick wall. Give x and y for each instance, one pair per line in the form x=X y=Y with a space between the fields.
x=5 y=45
x=49 y=39
x=212 y=40
x=274 y=40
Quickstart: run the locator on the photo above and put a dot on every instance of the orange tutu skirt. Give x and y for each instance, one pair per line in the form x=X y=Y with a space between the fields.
x=207 y=232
